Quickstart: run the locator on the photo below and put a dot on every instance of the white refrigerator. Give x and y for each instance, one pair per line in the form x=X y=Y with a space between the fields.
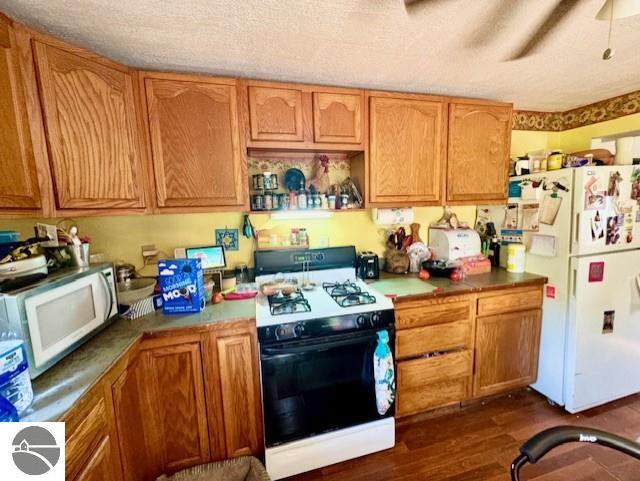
x=590 y=252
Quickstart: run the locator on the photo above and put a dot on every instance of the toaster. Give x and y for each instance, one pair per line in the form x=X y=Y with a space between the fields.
x=368 y=265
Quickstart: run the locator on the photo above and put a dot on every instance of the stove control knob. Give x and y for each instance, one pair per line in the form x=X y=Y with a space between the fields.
x=361 y=321
x=375 y=319
x=298 y=330
x=281 y=332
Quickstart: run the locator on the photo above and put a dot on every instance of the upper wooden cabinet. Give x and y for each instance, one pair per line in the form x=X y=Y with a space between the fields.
x=337 y=118
x=479 y=147
x=297 y=116
x=275 y=113
x=195 y=141
x=407 y=150
x=91 y=127
x=19 y=190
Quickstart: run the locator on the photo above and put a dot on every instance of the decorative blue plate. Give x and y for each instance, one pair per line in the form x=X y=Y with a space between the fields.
x=294 y=179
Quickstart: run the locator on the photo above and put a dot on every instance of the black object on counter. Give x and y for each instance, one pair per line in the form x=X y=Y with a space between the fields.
x=368 y=265
x=439 y=268
x=494 y=251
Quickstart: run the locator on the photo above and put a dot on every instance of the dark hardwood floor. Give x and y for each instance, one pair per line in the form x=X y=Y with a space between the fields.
x=480 y=441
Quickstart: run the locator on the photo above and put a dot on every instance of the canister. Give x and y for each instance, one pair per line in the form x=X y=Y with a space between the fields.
x=515 y=258
x=554 y=161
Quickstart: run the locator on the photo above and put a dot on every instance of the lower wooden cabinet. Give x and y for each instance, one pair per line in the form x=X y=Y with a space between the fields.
x=100 y=466
x=174 y=403
x=507 y=347
x=233 y=392
x=91 y=449
x=453 y=348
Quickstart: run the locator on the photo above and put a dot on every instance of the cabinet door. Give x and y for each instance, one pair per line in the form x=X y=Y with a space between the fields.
x=132 y=417
x=89 y=111
x=406 y=151
x=19 y=182
x=478 y=159
x=100 y=467
x=506 y=351
x=337 y=117
x=195 y=142
x=239 y=384
x=275 y=113
x=174 y=379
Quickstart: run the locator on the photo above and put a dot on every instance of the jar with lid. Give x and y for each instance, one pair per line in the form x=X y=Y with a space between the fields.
x=302 y=197
x=268 y=201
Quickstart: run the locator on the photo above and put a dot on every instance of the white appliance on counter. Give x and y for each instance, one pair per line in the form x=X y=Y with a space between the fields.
x=590 y=339
x=451 y=244
x=56 y=315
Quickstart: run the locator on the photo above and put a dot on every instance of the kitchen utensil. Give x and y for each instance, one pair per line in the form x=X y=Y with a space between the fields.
x=307 y=284
x=133 y=290
x=125 y=272
x=247 y=227
x=440 y=268
x=81 y=254
x=293 y=179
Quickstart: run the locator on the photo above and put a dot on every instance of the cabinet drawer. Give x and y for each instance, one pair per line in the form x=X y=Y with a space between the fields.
x=441 y=337
x=433 y=395
x=509 y=300
x=83 y=441
x=419 y=372
x=435 y=311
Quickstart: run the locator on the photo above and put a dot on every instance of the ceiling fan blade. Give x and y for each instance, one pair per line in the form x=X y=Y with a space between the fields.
x=495 y=18
x=548 y=25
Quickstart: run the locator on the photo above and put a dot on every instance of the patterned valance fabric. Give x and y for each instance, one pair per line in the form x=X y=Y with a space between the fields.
x=609 y=109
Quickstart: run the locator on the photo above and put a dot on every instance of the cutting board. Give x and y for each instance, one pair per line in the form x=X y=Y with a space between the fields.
x=403 y=287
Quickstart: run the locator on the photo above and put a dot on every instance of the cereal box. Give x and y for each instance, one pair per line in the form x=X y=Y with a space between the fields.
x=181 y=285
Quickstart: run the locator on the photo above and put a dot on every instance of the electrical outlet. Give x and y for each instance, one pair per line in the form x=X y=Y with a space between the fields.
x=149 y=251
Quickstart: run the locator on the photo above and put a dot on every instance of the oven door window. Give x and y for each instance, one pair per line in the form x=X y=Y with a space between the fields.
x=313 y=388
x=60 y=317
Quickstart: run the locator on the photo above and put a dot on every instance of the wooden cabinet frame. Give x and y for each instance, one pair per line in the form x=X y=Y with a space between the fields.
x=306 y=101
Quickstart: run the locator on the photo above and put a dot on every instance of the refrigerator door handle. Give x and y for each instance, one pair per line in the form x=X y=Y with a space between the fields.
x=574 y=281
x=638 y=283
x=577 y=235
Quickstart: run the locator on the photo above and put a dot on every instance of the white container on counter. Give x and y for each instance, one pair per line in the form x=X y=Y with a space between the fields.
x=516 y=258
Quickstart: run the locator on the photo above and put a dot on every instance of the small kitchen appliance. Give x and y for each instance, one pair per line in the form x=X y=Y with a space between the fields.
x=368 y=265
x=451 y=244
x=57 y=314
x=316 y=357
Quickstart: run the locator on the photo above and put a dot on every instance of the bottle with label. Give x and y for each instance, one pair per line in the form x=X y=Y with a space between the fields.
x=15 y=382
x=302 y=197
x=494 y=251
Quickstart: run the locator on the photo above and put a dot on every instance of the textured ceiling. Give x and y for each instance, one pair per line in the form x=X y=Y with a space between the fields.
x=438 y=46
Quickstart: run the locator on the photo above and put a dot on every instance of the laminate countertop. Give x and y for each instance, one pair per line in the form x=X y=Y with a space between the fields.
x=56 y=390
x=410 y=287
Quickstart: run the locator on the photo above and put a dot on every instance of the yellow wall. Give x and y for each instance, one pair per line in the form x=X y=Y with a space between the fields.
x=122 y=237
x=580 y=138
x=523 y=141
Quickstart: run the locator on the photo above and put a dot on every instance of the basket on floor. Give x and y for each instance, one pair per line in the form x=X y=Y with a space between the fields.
x=246 y=468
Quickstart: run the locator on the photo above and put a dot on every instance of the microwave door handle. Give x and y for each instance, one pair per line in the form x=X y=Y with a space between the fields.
x=107 y=287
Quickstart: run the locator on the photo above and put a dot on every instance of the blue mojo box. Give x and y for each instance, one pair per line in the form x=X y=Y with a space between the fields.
x=181 y=285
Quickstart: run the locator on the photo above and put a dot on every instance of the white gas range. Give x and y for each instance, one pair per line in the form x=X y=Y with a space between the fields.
x=316 y=355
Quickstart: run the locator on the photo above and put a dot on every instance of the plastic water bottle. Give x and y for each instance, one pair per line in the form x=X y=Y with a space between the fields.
x=15 y=382
x=8 y=412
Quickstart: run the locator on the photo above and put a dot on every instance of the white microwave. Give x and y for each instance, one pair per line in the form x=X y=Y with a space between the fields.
x=59 y=313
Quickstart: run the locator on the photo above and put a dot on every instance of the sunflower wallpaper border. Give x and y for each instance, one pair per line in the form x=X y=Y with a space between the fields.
x=602 y=111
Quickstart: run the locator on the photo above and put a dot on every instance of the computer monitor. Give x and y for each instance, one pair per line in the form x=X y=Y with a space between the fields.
x=211 y=257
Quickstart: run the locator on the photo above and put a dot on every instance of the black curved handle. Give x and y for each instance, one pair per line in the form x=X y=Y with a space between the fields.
x=540 y=444
x=535 y=448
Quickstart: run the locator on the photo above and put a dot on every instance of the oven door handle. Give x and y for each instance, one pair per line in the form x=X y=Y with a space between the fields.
x=317 y=346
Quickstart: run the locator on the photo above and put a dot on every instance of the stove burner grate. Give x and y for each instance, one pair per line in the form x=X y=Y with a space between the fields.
x=288 y=304
x=348 y=294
